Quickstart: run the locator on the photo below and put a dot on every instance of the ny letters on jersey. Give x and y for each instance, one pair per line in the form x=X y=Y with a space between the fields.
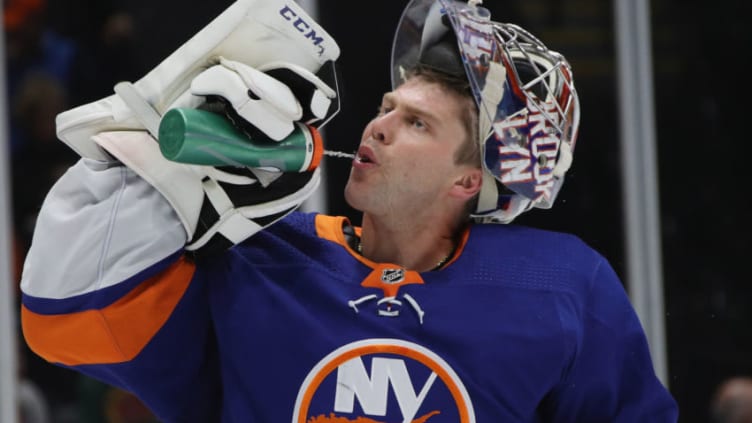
x=382 y=380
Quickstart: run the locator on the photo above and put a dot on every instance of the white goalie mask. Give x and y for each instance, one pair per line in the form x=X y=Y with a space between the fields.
x=528 y=110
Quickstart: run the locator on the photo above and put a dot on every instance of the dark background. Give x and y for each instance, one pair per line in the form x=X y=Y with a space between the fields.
x=701 y=58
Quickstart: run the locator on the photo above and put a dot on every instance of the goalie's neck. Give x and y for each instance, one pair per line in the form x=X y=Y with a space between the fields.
x=420 y=246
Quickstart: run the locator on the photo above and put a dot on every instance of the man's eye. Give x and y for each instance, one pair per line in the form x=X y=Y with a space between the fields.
x=418 y=123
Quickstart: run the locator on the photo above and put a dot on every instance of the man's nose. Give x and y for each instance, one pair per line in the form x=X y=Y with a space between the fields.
x=380 y=128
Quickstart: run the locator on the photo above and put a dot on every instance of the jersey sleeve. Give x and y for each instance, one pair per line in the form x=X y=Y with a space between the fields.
x=611 y=376
x=107 y=291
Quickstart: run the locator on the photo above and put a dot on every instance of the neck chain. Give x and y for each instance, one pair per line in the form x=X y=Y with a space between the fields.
x=438 y=266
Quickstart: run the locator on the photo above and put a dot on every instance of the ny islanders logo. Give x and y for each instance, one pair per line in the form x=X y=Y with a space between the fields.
x=382 y=381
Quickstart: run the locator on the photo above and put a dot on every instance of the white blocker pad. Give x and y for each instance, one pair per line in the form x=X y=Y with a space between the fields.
x=253 y=32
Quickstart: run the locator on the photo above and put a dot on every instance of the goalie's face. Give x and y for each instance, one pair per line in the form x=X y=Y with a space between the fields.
x=406 y=161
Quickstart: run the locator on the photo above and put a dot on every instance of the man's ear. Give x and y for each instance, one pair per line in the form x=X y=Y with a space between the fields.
x=467 y=183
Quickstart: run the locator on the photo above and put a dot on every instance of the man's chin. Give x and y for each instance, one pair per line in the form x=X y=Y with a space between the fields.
x=352 y=195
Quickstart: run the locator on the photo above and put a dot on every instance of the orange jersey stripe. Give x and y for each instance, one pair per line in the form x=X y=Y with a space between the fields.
x=114 y=334
x=330 y=228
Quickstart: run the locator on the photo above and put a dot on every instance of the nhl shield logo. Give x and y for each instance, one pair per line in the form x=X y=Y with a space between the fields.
x=392 y=276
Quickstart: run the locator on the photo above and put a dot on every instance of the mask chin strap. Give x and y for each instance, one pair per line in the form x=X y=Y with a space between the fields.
x=489 y=194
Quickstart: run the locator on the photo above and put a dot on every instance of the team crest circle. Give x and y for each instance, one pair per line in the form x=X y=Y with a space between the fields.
x=379 y=381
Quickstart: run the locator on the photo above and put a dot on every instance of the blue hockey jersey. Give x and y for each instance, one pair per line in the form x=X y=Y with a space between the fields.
x=293 y=325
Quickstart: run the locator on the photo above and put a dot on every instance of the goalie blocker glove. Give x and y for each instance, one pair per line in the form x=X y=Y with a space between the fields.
x=239 y=202
x=236 y=202
x=265 y=74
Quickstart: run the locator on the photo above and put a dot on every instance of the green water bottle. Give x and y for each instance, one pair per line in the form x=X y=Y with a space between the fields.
x=205 y=138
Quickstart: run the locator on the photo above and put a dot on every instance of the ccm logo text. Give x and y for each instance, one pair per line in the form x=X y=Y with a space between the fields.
x=303 y=27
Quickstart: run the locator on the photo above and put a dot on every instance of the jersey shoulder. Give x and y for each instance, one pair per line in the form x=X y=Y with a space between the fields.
x=531 y=242
x=295 y=237
x=529 y=257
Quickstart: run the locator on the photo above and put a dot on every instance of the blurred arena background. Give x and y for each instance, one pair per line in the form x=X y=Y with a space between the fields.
x=62 y=53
